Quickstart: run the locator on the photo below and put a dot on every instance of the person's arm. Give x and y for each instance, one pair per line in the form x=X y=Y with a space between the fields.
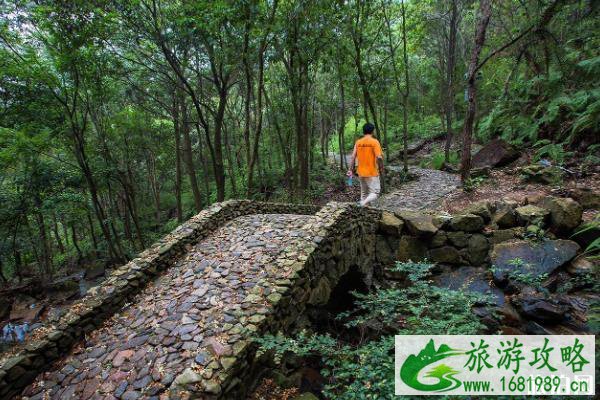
x=352 y=159
x=379 y=157
x=380 y=164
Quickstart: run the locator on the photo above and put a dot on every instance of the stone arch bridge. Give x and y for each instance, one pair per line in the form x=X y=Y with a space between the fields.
x=175 y=322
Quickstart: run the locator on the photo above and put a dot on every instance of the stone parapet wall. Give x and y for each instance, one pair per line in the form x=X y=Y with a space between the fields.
x=417 y=236
x=89 y=313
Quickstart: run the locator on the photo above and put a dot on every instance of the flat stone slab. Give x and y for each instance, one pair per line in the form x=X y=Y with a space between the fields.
x=472 y=279
x=194 y=315
x=533 y=259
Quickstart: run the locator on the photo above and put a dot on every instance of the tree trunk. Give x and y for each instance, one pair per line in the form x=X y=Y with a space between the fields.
x=76 y=244
x=177 y=132
x=130 y=205
x=342 y=126
x=385 y=126
x=187 y=155
x=230 y=163
x=2 y=276
x=485 y=11
x=406 y=92
x=219 y=167
x=59 y=242
x=93 y=234
x=450 y=64
x=46 y=259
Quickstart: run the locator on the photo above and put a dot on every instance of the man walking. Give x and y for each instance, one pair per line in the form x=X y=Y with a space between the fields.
x=367 y=151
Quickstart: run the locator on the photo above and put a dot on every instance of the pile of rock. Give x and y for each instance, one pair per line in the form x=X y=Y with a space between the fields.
x=528 y=252
x=545 y=174
x=410 y=235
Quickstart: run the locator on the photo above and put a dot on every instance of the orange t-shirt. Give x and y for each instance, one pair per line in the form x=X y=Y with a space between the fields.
x=367 y=151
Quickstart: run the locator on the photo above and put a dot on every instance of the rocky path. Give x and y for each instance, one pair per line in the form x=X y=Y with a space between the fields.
x=424 y=193
x=186 y=317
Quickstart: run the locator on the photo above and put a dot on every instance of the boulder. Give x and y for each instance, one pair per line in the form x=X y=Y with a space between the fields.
x=383 y=251
x=411 y=248
x=532 y=214
x=390 y=224
x=458 y=239
x=95 y=271
x=552 y=309
x=26 y=309
x=541 y=174
x=506 y=217
x=472 y=279
x=504 y=235
x=588 y=198
x=510 y=316
x=534 y=198
x=444 y=255
x=580 y=266
x=496 y=153
x=565 y=213
x=439 y=239
x=533 y=259
x=467 y=223
x=419 y=224
x=540 y=308
x=187 y=377
x=482 y=208
x=320 y=294
x=477 y=249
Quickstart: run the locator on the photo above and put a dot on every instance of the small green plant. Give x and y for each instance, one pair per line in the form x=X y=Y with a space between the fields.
x=473 y=183
x=525 y=278
x=592 y=250
x=535 y=232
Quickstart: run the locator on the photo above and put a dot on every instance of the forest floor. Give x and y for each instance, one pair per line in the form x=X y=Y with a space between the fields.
x=505 y=184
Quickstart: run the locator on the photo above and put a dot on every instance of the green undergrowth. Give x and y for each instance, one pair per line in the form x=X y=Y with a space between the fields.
x=437 y=158
x=365 y=369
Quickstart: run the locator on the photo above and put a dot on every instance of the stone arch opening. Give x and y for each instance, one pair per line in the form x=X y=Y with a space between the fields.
x=341 y=299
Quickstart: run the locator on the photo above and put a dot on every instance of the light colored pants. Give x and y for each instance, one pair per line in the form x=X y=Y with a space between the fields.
x=369 y=189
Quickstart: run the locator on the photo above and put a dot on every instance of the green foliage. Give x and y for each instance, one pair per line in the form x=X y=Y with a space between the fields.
x=553 y=151
x=354 y=373
x=437 y=158
x=564 y=116
x=473 y=183
x=592 y=249
x=421 y=308
x=366 y=371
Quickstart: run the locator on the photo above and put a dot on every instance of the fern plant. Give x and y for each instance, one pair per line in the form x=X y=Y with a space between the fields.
x=592 y=250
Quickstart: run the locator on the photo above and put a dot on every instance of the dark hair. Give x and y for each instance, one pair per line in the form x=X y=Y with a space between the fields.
x=368 y=128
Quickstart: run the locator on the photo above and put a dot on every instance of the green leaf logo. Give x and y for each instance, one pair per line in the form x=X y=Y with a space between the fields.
x=413 y=365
